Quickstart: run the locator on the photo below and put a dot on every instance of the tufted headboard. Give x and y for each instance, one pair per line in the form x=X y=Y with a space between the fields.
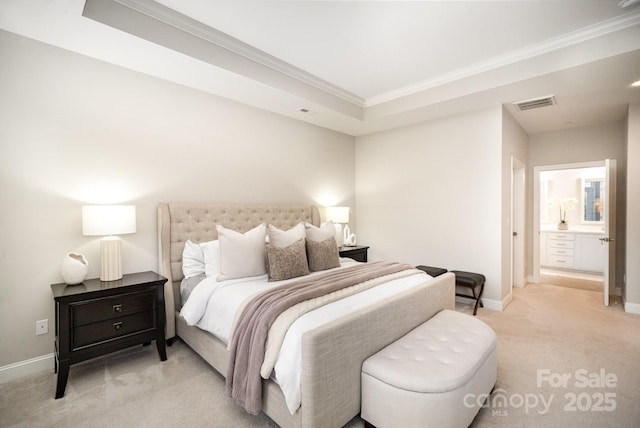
x=179 y=222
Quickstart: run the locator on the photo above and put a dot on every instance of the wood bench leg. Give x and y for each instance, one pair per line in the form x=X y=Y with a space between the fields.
x=475 y=308
x=478 y=299
x=471 y=280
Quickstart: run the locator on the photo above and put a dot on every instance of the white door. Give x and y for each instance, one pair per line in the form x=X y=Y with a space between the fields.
x=609 y=228
x=517 y=223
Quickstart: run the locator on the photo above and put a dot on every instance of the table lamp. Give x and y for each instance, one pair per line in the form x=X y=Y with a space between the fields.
x=339 y=216
x=108 y=221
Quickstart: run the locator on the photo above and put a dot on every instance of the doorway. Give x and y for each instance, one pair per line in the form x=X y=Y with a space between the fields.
x=572 y=226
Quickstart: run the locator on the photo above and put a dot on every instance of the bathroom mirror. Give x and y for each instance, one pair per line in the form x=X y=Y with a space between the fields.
x=592 y=205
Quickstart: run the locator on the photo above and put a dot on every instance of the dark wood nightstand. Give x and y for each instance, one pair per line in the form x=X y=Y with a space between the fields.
x=98 y=317
x=357 y=253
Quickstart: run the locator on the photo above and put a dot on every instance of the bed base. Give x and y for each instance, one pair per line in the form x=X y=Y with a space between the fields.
x=332 y=355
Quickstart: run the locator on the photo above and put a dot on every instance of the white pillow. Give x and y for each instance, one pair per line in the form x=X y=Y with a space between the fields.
x=211 y=252
x=192 y=260
x=319 y=234
x=242 y=254
x=201 y=258
x=281 y=238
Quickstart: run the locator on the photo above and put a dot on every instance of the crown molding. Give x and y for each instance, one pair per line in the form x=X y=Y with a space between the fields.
x=177 y=20
x=180 y=22
x=584 y=34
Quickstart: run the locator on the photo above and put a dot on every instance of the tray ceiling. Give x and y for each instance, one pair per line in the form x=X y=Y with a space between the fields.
x=360 y=66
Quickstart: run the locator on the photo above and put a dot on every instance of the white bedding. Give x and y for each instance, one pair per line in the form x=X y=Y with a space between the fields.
x=213 y=306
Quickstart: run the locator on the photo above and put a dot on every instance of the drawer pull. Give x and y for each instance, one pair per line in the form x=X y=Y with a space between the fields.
x=117 y=325
x=117 y=308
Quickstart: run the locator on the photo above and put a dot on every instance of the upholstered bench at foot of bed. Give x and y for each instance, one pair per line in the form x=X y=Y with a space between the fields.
x=437 y=375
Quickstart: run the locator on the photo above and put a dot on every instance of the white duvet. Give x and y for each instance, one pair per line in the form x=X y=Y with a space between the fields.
x=214 y=306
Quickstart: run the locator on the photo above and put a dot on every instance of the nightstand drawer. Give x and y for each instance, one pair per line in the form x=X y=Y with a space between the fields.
x=100 y=331
x=111 y=307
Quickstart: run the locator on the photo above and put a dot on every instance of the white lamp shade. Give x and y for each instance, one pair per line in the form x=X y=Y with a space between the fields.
x=101 y=220
x=337 y=214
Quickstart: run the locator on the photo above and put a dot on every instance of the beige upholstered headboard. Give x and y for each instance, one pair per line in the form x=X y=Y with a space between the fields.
x=179 y=222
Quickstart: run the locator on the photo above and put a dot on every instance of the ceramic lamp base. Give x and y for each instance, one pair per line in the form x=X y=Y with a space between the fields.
x=111 y=259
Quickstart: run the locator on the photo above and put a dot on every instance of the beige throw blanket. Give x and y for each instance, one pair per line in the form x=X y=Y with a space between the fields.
x=247 y=348
x=279 y=328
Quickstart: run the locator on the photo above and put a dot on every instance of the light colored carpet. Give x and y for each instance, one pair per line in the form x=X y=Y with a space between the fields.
x=559 y=331
x=131 y=388
x=551 y=328
x=572 y=280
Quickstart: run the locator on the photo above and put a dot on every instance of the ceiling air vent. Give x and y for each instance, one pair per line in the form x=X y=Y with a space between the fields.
x=549 y=100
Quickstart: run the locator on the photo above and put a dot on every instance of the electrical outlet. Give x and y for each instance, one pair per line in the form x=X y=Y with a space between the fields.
x=42 y=327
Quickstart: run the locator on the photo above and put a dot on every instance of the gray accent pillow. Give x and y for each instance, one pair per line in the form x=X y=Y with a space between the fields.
x=187 y=285
x=322 y=255
x=287 y=262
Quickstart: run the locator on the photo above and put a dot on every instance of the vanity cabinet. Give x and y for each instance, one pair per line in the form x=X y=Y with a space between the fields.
x=592 y=253
x=560 y=250
x=572 y=251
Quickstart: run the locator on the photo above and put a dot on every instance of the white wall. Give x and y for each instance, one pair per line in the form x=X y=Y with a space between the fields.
x=75 y=130
x=515 y=144
x=431 y=194
x=631 y=292
x=591 y=143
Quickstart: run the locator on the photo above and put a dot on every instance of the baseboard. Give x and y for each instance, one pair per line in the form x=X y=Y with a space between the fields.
x=496 y=305
x=632 y=308
x=27 y=367
x=493 y=305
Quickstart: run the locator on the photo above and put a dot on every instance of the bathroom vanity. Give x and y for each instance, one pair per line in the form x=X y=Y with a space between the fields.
x=575 y=250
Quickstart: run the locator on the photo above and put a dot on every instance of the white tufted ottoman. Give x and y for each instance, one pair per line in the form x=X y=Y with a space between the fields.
x=432 y=376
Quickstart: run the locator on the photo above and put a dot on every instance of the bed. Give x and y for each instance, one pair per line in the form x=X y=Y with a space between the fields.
x=332 y=353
